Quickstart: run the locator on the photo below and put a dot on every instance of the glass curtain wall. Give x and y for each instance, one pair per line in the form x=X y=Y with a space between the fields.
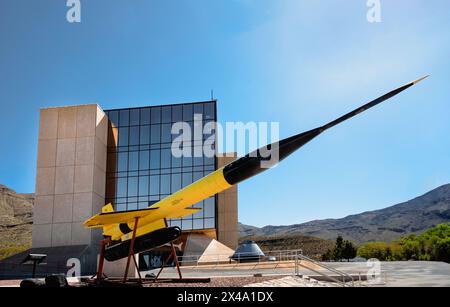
x=141 y=167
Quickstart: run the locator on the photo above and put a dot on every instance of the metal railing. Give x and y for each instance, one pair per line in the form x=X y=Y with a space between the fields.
x=274 y=257
x=272 y=260
x=342 y=275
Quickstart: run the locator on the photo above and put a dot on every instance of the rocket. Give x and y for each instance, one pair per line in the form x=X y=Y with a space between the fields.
x=250 y=165
x=152 y=230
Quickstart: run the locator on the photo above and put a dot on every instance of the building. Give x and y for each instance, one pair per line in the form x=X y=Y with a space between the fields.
x=88 y=157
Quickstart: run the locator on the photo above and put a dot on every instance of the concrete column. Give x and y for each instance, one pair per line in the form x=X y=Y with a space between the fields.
x=70 y=175
x=227 y=210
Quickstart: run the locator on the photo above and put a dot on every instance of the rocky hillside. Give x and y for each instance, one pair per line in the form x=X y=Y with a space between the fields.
x=16 y=219
x=387 y=224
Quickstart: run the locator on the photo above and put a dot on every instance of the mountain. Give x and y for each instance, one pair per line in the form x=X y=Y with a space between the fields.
x=16 y=219
x=414 y=216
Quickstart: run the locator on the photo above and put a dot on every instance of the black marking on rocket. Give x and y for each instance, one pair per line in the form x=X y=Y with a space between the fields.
x=250 y=165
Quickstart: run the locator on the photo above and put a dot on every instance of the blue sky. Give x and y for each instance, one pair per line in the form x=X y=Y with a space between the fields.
x=299 y=63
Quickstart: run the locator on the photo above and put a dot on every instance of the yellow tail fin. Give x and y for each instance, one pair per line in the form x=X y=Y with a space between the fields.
x=107 y=230
x=107 y=208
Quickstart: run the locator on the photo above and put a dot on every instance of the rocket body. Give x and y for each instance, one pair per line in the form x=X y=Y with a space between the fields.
x=230 y=175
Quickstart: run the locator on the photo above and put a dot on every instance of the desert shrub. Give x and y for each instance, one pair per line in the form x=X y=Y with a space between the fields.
x=432 y=245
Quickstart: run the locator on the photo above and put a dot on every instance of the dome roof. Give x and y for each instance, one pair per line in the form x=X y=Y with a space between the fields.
x=248 y=250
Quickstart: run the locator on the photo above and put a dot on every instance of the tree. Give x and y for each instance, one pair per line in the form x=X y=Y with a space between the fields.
x=338 y=248
x=348 y=251
x=432 y=245
x=442 y=250
x=376 y=250
x=343 y=249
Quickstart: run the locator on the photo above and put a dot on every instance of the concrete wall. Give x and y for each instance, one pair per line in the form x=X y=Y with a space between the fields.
x=71 y=175
x=227 y=210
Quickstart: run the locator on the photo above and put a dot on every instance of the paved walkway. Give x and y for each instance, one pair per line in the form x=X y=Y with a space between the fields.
x=393 y=274
x=292 y=281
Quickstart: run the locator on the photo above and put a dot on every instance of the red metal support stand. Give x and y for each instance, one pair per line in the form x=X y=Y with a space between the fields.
x=100 y=275
x=175 y=259
x=131 y=252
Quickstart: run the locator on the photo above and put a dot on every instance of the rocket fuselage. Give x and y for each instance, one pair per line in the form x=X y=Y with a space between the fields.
x=234 y=173
x=251 y=165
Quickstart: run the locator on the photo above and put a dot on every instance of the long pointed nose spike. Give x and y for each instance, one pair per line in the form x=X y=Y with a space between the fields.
x=420 y=79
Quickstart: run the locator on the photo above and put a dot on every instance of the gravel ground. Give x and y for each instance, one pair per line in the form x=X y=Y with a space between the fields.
x=10 y=283
x=218 y=282
x=215 y=282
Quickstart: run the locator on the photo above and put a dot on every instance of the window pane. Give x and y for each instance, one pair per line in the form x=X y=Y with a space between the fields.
x=154 y=185
x=142 y=205
x=209 y=207
x=132 y=206
x=143 y=185
x=154 y=159
x=197 y=130
x=134 y=117
x=176 y=182
x=155 y=134
x=176 y=223
x=114 y=117
x=209 y=223
x=165 y=184
x=124 y=118
x=144 y=135
x=123 y=136
x=121 y=187
x=132 y=186
x=145 y=116
x=209 y=161
x=198 y=156
x=121 y=207
x=186 y=224
x=198 y=214
x=156 y=115
x=198 y=109
x=134 y=136
x=122 y=161
x=187 y=179
x=166 y=136
x=209 y=111
x=197 y=176
x=209 y=168
x=176 y=162
x=187 y=113
x=133 y=161
x=177 y=114
x=166 y=118
x=166 y=156
x=187 y=160
x=198 y=224
x=144 y=157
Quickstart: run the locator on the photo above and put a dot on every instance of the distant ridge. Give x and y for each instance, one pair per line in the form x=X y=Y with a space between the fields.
x=16 y=219
x=414 y=216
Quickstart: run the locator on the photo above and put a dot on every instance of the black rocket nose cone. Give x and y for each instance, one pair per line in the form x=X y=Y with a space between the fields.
x=251 y=164
x=287 y=146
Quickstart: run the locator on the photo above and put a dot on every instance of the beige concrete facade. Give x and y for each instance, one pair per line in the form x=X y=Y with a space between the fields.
x=71 y=183
x=70 y=176
x=227 y=210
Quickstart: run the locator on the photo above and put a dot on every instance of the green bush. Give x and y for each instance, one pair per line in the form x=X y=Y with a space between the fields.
x=379 y=250
x=432 y=245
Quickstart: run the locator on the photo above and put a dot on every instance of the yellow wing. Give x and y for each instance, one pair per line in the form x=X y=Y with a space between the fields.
x=108 y=218
x=177 y=205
